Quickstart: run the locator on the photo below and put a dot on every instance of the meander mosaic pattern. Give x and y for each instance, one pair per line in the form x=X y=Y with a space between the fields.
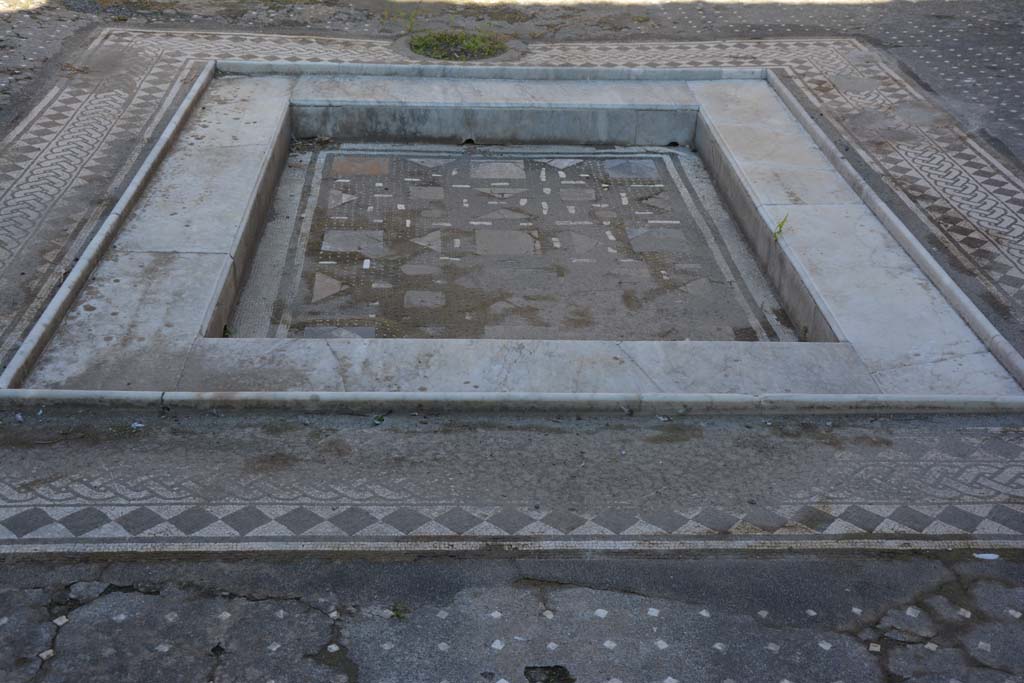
x=81 y=141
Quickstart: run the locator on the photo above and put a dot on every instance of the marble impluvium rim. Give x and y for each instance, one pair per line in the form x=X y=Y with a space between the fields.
x=981 y=326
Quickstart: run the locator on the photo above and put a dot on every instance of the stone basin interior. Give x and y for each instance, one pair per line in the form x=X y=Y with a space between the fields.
x=503 y=242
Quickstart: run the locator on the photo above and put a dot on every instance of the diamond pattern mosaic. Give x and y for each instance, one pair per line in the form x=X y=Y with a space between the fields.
x=373 y=522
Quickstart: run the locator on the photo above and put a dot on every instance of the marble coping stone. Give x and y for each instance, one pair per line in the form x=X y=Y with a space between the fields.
x=830 y=258
x=480 y=92
x=170 y=275
x=493 y=111
x=543 y=366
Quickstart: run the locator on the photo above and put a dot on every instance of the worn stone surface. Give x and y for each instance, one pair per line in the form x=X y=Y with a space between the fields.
x=909 y=625
x=999 y=602
x=475 y=365
x=705 y=618
x=996 y=645
x=27 y=631
x=903 y=327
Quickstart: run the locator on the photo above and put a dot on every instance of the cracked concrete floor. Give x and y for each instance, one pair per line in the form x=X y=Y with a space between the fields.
x=840 y=617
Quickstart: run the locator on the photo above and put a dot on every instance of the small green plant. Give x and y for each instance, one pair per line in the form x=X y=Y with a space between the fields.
x=410 y=23
x=777 y=232
x=459 y=46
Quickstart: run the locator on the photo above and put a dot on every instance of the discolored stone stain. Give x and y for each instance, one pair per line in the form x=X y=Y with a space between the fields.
x=578 y=318
x=27 y=437
x=337 y=658
x=869 y=440
x=281 y=427
x=676 y=433
x=807 y=430
x=270 y=462
x=38 y=483
x=335 y=445
x=548 y=674
x=359 y=165
x=631 y=301
x=746 y=333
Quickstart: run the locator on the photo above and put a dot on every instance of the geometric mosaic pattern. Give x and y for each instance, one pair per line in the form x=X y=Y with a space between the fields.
x=366 y=522
x=92 y=526
x=954 y=482
x=507 y=244
x=61 y=169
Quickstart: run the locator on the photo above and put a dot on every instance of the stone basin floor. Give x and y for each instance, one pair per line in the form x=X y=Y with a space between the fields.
x=504 y=243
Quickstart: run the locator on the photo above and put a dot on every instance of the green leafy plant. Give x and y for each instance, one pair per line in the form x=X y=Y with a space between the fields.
x=457 y=45
x=777 y=232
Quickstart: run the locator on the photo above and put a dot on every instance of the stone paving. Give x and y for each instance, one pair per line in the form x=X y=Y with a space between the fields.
x=929 y=618
x=501 y=245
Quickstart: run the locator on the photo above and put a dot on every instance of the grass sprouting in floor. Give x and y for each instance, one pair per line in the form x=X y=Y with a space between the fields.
x=459 y=46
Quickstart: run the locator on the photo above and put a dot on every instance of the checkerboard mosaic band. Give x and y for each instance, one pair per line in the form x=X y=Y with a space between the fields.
x=274 y=522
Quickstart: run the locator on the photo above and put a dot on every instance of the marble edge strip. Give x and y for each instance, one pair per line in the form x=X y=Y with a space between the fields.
x=498 y=545
x=40 y=334
x=994 y=341
x=489 y=402
x=271 y=67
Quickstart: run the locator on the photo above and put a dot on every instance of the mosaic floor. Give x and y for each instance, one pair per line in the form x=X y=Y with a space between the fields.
x=408 y=482
x=501 y=244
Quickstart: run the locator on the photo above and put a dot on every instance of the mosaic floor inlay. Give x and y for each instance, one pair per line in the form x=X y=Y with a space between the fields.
x=503 y=244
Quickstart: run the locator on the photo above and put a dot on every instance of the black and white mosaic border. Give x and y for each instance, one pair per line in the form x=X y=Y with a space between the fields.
x=158 y=526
